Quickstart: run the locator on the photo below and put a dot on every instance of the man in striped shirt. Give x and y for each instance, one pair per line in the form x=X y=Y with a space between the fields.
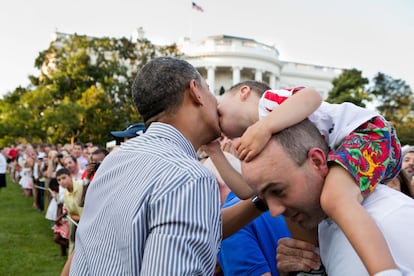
x=152 y=208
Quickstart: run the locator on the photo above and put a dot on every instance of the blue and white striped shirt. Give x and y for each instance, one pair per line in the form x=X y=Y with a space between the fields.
x=151 y=209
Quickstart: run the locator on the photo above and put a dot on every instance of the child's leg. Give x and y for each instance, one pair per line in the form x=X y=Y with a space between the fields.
x=64 y=244
x=35 y=193
x=27 y=192
x=341 y=200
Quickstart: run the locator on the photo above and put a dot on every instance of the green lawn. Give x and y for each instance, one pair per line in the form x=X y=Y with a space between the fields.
x=26 y=237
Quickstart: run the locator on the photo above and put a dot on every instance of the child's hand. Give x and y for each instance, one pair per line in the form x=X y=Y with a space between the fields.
x=253 y=141
x=211 y=147
x=227 y=146
x=75 y=217
x=52 y=193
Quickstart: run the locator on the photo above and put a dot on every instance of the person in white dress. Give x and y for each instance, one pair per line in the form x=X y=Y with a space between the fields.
x=26 y=179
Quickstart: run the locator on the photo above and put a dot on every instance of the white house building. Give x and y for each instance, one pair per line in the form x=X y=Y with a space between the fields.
x=226 y=60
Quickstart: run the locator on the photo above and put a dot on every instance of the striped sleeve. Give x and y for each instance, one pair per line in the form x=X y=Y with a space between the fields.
x=271 y=99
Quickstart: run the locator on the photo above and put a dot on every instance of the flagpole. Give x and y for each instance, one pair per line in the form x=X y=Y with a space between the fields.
x=190 y=35
x=194 y=8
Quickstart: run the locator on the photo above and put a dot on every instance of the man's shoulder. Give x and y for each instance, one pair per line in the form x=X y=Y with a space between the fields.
x=77 y=184
x=384 y=194
x=385 y=202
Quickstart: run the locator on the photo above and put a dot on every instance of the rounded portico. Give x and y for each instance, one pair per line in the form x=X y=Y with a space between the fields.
x=226 y=60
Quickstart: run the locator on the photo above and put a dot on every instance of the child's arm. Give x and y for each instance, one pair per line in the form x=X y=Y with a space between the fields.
x=53 y=194
x=237 y=216
x=75 y=217
x=60 y=217
x=292 y=111
x=341 y=200
x=231 y=177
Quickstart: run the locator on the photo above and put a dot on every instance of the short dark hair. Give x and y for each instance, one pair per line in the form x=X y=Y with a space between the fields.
x=159 y=86
x=100 y=150
x=298 y=139
x=62 y=171
x=256 y=86
x=80 y=144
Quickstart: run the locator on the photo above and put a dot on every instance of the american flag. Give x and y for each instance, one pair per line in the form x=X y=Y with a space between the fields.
x=197 y=7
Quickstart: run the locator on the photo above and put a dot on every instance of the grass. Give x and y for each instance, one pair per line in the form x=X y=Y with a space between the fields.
x=26 y=237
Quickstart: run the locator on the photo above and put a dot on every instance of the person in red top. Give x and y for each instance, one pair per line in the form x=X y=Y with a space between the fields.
x=11 y=160
x=96 y=159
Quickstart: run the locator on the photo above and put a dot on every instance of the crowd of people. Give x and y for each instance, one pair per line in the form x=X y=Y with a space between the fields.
x=57 y=177
x=261 y=182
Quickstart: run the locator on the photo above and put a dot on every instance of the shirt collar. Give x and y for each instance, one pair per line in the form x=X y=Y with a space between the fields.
x=169 y=132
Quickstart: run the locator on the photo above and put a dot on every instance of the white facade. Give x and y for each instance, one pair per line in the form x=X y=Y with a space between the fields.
x=226 y=60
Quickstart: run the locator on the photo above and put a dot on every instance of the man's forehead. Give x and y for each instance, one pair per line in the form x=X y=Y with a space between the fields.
x=409 y=155
x=265 y=164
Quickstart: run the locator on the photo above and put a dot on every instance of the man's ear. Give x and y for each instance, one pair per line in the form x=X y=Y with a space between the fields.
x=318 y=158
x=244 y=92
x=194 y=92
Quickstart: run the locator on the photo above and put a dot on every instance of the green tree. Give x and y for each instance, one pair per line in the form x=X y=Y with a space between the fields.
x=13 y=117
x=82 y=91
x=349 y=87
x=393 y=97
x=395 y=102
x=405 y=131
x=222 y=90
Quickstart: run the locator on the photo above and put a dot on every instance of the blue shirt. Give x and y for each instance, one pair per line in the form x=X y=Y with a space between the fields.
x=151 y=209
x=252 y=250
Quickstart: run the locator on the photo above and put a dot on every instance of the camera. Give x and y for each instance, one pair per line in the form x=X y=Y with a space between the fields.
x=59 y=155
x=97 y=164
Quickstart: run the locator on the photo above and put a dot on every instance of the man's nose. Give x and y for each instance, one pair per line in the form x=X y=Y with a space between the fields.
x=276 y=208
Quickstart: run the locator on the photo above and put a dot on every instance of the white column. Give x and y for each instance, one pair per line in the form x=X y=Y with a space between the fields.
x=236 y=74
x=211 y=77
x=272 y=81
x=258 y=75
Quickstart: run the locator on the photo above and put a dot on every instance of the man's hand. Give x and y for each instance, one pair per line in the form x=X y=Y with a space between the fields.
x=295 y=255
x=90 y=169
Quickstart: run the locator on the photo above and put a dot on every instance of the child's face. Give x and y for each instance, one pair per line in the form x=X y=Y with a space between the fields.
x=64 y=180
x=234 y=114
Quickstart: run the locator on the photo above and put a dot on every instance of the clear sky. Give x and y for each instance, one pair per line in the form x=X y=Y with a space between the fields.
x=370 y=35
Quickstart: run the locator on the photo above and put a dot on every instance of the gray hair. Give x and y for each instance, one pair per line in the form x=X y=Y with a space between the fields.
x=298 y=139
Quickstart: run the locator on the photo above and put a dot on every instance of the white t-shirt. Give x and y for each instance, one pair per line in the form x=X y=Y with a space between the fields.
x=3 y=164
x=394 y=213
x=334 y=121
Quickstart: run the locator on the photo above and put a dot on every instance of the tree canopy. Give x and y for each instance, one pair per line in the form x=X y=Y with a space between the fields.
x=349 y=87
x=81 y=93
x=393 y=98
